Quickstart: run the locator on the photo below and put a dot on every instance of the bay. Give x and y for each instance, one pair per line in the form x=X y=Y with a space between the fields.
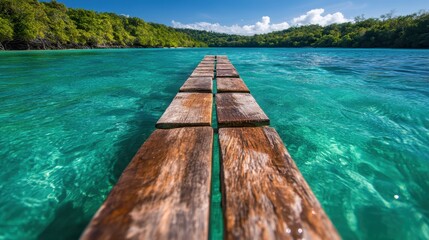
x=354 y=120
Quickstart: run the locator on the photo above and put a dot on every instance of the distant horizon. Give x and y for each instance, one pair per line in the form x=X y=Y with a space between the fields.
x=250 y=17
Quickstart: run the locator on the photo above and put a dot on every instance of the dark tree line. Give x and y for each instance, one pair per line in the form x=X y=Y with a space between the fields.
x=410 y=31
x=30 y=24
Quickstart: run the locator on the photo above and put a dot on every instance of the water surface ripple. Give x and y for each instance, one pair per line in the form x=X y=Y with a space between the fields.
x=355 y=121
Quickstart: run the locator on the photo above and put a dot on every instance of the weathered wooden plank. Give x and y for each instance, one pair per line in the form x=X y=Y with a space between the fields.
x=209 y=57
x=164 y=193
x=223 y=62
x=205 y=65
x=231 y=85
x=202 y=73
x=239 y=110
x=188 y=109
x=221 y=57
x=207 y=62
x=264 y=194
x=197 y=70
x=201 y=69
x=227 y=73
x=204 y=68
x=222 y=66
x=198 y=84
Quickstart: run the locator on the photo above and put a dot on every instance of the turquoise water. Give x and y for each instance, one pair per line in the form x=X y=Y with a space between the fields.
x=355 y=121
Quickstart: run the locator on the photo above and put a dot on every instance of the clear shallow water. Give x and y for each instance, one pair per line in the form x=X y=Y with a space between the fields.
x=355 y=121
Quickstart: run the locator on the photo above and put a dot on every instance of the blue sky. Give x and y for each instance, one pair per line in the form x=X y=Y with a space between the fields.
x=280 y=13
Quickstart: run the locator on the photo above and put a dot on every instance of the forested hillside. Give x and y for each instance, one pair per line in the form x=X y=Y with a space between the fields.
x=30 y=24
x=410 y=31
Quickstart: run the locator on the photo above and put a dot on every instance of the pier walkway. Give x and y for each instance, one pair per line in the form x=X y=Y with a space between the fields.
x=165 y=192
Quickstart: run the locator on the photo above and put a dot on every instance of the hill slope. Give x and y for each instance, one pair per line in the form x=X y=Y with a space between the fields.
x=30 y=24
x=410 y=31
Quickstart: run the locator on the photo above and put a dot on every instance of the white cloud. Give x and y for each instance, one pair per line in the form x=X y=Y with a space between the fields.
x=315 y=17
x=265 y=26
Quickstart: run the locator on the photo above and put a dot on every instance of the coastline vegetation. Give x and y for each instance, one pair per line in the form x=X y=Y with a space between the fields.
x=411 y=31
x=30 y=24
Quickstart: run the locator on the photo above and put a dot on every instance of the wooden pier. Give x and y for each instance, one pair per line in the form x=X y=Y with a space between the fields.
x=164 y=193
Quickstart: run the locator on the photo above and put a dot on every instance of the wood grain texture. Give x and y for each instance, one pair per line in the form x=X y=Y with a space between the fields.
x=222 y=59
x=204 y=68
x=164 y=193
x=206 y=65
x=207 y=62
x=186 y=110
x=239 y=110
x=203 y=73
x=264 y=194
x=223 y=62
x=227 y=73
x=222 y=66
x=231 y=85
x=209 y=57
x=197 y=84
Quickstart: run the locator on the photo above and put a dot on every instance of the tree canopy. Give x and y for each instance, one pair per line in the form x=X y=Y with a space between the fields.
x=410 y=31
x=30 y=24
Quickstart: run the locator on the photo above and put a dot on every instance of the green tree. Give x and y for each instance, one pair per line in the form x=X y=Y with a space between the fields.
x=6 y=31
x=27 y=17
x=61 y=29
x=30 y=23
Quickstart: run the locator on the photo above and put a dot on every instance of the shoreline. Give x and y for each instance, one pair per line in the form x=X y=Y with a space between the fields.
x=226 y=47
